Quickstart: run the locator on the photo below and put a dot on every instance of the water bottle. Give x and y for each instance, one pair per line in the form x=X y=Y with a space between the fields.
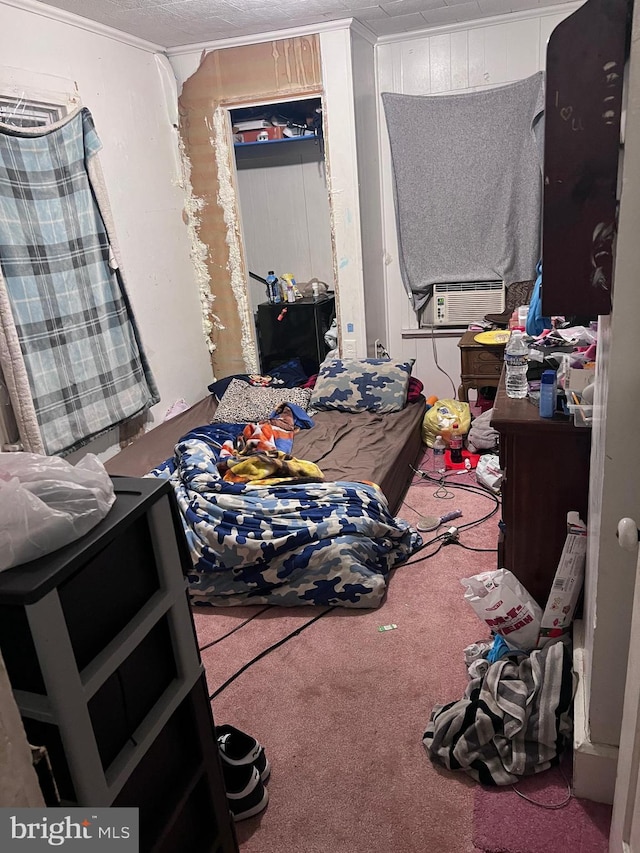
x=515 y=359
x=548 y=386
x=439 y=448
x=273 y=290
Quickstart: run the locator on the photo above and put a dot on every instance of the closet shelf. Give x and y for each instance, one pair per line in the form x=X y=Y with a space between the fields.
x=275 y=141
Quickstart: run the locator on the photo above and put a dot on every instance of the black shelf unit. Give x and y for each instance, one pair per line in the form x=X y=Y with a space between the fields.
x=288 y=330
x=100 y=648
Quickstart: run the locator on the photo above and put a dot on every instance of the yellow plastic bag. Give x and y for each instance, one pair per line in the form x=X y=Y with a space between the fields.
x=441 y=417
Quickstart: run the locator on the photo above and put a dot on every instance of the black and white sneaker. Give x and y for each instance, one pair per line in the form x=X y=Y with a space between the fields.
x=246 y=795
x=238 y=749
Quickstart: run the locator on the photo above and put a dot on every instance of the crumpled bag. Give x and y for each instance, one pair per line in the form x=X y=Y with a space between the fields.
x=46 y=503
x=489 y=473
x=441 y=417
x=500 y=600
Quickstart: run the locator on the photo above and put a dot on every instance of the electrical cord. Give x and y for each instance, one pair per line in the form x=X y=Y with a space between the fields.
x=448 y=537
x=551 y=806
x=233 y=630
x=467 y=487
x=469 y=548
x=435 y=358
x=266 y=651
x=412 y=562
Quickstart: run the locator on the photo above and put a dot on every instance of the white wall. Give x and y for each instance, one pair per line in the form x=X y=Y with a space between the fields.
x=284 y=209
x=122 y=87
x=460 y=58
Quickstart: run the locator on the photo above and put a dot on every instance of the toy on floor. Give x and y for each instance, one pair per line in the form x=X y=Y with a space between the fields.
x=432 y=522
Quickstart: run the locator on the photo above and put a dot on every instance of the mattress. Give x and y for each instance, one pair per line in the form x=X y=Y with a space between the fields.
x=378 y=448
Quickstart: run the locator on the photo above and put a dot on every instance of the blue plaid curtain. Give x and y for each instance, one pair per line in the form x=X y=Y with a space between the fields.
x=71 y=331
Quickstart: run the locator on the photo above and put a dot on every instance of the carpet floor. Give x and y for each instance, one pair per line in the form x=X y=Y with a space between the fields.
x=504 y=822
x=341 y=707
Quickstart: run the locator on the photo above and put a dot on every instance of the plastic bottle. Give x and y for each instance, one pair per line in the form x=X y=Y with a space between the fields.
x=290 y=284
x=515 y=358
x=455 y=445
x=438 y=454
x=273 y=290
x=548 y=389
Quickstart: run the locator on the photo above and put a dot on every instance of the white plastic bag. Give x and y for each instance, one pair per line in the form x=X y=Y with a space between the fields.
x=500 y=600
x=489 y=473
x=45 y=503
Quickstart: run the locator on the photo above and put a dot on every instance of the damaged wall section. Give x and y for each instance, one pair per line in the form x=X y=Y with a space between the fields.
x=257 y=73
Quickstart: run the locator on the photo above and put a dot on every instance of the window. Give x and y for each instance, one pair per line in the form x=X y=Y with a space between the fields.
x=24 y=112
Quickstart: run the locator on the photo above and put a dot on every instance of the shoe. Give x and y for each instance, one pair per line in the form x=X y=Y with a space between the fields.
x=246 y=795
x=239 y=749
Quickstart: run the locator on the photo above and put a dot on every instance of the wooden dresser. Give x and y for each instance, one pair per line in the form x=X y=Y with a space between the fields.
x=480 y=365
x=546 y=465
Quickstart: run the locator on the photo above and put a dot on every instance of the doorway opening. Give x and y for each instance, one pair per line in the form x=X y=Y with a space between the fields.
x=282 y=196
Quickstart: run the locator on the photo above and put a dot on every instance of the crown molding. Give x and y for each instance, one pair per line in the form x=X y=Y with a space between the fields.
x=73 y=20
x=364 y=31
x=257 y=38
x=478 y=23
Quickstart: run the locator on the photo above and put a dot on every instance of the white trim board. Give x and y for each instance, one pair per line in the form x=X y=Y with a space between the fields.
x=61 y=15
x=594 y=764
x=479 y=23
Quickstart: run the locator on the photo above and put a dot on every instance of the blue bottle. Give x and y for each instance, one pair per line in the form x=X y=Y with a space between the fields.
x=548 y=390
x=273 y=289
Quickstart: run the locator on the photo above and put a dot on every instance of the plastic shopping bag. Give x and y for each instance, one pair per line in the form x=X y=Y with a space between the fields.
x=441 y=417
x=45 y=503
x=500 y=600
x=489 y=473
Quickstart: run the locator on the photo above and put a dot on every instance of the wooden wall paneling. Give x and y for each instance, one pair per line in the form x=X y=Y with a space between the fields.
x=270 y=71
x=495 y=54
x=475 y=48
x=285 y=214
x=414 y=67
x=459 y=60
x=440 y=56
x=318 y=216
x=523 y=49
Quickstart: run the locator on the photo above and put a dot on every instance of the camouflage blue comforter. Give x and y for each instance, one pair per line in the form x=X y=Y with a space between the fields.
x=319 y=543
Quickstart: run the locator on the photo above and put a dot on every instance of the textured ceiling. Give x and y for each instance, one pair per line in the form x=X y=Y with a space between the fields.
x=190 y=21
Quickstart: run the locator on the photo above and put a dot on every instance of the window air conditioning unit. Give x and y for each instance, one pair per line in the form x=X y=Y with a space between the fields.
x=463 y=302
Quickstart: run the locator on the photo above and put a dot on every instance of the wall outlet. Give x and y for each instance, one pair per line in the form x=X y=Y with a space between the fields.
x=349 y=348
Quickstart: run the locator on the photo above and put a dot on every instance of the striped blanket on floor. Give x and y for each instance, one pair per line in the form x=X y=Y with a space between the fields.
x=512 y=722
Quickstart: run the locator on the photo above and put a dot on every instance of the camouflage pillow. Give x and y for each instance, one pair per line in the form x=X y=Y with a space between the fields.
x=247 y=404
x=356 y=385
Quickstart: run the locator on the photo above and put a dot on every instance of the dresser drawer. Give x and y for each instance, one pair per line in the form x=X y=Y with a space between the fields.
x=482 y=362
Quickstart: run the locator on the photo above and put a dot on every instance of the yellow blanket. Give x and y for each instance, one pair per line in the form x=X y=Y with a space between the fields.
x=268 y=468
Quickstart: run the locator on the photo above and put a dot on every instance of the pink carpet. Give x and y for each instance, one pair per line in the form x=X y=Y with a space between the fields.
x=341 y=708
x=506 y=823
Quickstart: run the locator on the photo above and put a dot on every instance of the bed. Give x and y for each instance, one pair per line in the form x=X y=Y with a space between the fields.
x=329 y=542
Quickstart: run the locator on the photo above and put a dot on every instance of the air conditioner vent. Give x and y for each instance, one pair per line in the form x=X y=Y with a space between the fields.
x=461 y=303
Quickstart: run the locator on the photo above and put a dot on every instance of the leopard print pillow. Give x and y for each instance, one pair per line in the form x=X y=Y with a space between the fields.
x=242 y=403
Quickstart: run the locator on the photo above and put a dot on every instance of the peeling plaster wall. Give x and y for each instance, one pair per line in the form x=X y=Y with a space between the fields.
x=248 y=74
